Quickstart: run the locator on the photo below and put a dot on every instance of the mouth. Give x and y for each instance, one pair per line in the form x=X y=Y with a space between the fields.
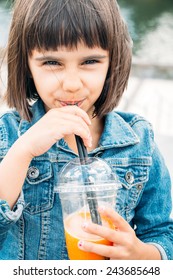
x=71 y=103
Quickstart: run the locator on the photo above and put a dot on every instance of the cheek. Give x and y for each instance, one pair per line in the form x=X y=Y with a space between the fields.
x=45 y=82
x=97 y=84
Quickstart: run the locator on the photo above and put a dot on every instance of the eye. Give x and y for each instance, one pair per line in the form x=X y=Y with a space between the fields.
x=51 y=63
x=91 y=61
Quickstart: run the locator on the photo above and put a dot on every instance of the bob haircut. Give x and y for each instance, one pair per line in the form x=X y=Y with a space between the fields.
x=47 y=25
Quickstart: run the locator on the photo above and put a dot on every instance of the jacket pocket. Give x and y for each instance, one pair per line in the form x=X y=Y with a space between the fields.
x=38 y=186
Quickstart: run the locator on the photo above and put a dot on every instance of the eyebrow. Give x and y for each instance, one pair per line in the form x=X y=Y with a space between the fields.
x=96 y=56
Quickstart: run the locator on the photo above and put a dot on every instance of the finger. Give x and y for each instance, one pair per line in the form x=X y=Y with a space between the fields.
x=69 y=120
x=77 y=121
x=77 y=111
x=102 y=250
x=112 y=235
x=72 y=124
x=116 y=219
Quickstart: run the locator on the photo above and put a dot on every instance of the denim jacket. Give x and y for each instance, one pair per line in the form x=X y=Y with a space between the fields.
x=33 y=229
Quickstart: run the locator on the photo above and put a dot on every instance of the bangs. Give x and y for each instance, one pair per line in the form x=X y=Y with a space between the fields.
x=66 y=23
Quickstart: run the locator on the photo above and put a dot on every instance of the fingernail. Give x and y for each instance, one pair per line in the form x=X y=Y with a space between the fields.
x=80 y=243
x=89 y=135
x=84 y=225
x=101 y=208
x=89 y=143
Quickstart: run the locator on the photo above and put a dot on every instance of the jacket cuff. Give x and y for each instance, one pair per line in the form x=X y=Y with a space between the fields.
x=8 y=216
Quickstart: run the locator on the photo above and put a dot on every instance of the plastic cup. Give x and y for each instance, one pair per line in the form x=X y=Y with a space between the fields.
x=82 y=189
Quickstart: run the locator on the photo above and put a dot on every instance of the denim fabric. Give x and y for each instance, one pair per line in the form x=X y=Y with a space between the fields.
x=34 y=227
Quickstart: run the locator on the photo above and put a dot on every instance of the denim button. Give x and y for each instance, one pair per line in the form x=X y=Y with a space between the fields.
x=33 y=172
x=129 y=177
x=139 y=186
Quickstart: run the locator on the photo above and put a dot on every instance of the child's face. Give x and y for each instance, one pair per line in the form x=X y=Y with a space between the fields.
x=66 y=77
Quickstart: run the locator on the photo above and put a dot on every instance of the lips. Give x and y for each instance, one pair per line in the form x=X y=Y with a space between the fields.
x=70 y=103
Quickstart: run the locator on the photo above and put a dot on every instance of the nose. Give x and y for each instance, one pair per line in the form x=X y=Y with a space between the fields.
x=72 y=82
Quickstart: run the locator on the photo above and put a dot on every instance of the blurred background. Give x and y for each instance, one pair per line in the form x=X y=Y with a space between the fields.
x=150 y=89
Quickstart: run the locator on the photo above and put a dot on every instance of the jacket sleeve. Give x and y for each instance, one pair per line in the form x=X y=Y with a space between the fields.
x=9 y=217
x=7 y=137
x=153 y=220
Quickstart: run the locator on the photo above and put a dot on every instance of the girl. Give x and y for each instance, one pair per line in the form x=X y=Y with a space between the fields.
x=68 y=65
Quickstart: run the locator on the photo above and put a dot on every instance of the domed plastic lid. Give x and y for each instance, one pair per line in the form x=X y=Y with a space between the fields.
x=94 y=172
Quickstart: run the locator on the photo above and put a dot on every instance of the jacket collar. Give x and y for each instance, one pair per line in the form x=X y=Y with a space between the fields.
x=117 y=132
x=38 y=112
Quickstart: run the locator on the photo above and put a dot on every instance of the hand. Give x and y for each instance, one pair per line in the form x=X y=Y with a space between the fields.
x=53 y=126
x=126 y=245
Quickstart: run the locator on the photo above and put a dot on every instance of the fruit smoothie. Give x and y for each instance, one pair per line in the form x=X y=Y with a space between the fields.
x=73 y=233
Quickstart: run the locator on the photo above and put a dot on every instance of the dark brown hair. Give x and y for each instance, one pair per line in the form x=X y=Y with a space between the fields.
x=43 y=24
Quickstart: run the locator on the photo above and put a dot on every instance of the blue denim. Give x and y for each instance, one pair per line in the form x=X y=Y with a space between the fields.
x=33 y=229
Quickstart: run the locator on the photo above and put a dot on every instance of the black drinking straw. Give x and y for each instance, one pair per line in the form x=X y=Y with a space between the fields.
x=91 y=197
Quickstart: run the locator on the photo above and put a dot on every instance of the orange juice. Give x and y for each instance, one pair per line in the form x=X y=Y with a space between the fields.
x=73 y=233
